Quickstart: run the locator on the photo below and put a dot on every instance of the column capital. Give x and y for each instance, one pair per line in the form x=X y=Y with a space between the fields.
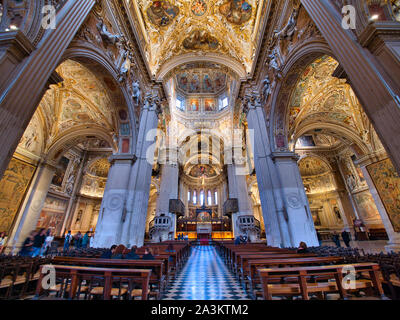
x=16 y=43
x=287 y=155
x=251 y=101
x=153 y=103
x=129 y=158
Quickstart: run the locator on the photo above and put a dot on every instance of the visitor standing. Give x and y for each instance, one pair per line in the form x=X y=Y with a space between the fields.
x=38 y=242
x=67 y=241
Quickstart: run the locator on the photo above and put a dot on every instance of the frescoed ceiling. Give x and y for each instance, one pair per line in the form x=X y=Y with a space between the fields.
x=312 y=166
x=81 y=99
x=321 y=98
x=174 y=27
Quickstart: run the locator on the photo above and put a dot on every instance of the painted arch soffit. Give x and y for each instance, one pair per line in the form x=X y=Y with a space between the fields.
x=80 y=100
x=175 y=27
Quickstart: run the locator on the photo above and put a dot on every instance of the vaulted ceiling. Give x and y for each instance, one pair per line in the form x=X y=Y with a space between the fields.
x=172 y=28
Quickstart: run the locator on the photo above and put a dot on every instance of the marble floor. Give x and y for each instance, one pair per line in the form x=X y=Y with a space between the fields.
x=205 y=277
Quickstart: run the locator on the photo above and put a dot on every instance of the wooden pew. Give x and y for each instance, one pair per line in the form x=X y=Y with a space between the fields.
x=75 y=275
x=158 y=277
x=243 y=258
x=251 y=274
x=304 y=286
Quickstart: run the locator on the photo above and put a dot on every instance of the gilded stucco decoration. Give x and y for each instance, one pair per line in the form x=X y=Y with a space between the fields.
x=81 y=99
x=172 y=28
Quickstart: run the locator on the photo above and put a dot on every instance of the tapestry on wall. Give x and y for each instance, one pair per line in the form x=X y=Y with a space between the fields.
x=387 y=183
x=13 y=186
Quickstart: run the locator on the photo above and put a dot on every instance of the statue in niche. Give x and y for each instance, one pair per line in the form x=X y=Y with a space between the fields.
x=288 y=31
x=78 y=218
x=337 y=213
x=106 y=35
x=70 y=184
x=351 y=182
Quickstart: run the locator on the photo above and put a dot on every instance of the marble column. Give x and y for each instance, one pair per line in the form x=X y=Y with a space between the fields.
x=374 y=86
x=301 y=224
x=168 y=190
x=23 y=91
x=394 y=237
x=34 y=205
x=273 y=210
x=134 y=225
x=112 y=208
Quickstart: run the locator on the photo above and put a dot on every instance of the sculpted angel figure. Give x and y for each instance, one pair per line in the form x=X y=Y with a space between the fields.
x=290 y=28
x=266 y=90
x=106 y=35
x=136 y=91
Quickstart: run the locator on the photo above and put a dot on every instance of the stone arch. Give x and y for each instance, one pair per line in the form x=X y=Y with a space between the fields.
x=298 y=60
x=75 y=135
x=99 y=64
x=341 y=130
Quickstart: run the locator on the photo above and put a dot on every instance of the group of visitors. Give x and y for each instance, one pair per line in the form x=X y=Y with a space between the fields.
x=182 y=236
x=78 y=241
x=120 y=252
x=346 y=237
x=37 y=243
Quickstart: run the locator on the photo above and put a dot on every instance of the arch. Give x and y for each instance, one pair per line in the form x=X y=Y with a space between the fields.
x=99 y=64
x=315 y=155
x=346 y=132
x=174 y=62
x=73 y=135
x=297 y=61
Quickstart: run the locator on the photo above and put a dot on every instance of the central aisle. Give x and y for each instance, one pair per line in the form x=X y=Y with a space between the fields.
x=205 y=277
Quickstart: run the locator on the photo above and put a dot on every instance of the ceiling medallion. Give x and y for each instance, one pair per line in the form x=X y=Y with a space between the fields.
x=236 y=11
x=199 y=7
x=162 y=13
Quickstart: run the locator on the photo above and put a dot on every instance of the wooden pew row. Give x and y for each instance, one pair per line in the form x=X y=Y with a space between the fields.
x=158 y=279
x=17 y=276
x=233 y=251
x=73 y=278
x=305 y=284
x=252 y=281
x=244 y=257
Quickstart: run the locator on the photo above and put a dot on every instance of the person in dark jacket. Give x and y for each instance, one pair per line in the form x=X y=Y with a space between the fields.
x=108 y=254
x=302 y=248
x=346 y=238
x=335 y=239
x=132 y=255
x=26 y=250
x=38 y=241
x=118 y=253
x=148 y=255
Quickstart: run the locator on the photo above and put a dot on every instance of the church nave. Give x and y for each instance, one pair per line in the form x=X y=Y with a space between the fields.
x=205 y=277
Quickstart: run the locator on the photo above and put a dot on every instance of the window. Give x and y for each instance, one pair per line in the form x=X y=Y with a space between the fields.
x=194 y=197
x=216 y=196
x=223 y=103
x=209 y=200
x=189 y=196
x=180 y=104
x=201 y=197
